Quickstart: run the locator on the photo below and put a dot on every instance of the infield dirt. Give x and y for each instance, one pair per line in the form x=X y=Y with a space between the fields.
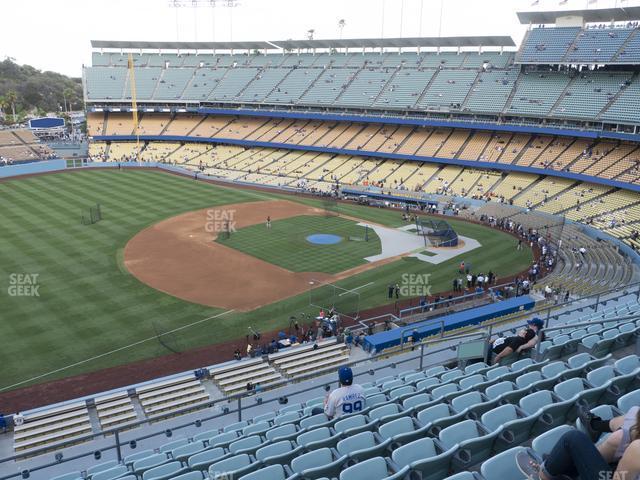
x=179 y=256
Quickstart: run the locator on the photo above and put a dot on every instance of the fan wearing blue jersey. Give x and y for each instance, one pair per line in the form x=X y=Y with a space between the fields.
x=346 y=399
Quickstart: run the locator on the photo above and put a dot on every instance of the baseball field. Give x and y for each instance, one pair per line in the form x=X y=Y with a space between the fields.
x=78 y=298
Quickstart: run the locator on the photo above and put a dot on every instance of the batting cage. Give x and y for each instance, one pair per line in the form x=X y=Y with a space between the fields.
x=327 y=296
x=329 y=204
x=436 y=232
x=91 y=215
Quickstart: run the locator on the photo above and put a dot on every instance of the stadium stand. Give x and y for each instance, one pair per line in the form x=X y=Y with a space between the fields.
x=434 y=422
x=171 y=394
x=442 y=419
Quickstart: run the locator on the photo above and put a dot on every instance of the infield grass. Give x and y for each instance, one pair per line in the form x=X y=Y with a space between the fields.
x=285 y=244
x=90 y=307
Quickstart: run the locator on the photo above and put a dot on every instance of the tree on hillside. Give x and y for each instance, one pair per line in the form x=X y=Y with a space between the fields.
x=28 y=90
x=10 y=99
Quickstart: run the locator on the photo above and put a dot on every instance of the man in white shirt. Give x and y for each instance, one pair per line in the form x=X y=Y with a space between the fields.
x=346 y=399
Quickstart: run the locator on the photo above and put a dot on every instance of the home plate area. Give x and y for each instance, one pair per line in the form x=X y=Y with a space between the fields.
x=403 y=242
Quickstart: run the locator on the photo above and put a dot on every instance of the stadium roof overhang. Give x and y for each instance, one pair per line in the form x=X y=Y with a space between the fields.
x=410 y=42
x=590 y=15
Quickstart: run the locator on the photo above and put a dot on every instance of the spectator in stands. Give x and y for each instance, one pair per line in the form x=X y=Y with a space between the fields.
x=347 y=398
x=534 y=325
x=575 y=454
x=504 y=346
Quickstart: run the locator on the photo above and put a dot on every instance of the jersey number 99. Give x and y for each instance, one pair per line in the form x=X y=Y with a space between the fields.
x=352 y=407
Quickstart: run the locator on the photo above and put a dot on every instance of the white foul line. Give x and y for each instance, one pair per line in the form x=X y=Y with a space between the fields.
x=357 y=288
x=112 y=352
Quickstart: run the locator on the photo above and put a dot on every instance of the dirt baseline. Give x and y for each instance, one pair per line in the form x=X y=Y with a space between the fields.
x=179 y=256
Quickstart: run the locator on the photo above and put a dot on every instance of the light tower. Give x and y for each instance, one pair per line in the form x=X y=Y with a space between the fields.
x=211 y=4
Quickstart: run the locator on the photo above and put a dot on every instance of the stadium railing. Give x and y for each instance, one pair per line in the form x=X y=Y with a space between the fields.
x=241 y=400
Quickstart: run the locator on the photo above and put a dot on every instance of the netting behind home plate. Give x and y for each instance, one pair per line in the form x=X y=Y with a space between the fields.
x=325 y=296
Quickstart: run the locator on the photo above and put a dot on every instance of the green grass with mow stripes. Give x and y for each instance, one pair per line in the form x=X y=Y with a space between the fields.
x=285 y=244
x=90 y=307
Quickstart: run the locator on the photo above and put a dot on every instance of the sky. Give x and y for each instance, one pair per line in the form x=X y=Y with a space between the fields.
x=56 y=36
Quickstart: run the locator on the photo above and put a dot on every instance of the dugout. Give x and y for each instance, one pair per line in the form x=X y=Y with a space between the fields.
x=473 y=316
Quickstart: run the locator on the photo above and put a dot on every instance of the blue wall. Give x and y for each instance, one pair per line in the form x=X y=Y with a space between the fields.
x=395 y=156
x=33 y=167
x=432 y=326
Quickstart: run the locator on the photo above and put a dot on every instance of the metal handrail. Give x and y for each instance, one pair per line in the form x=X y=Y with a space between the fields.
x=486 y=329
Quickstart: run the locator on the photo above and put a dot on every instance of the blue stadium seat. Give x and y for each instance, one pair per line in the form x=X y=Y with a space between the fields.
x=235 y=427
x=286 y=418
x=222 y=439
x=278 y=452
x=284 y=432
x=246 y=445
x=513 y=424
x=464 y=476
x=503 y=466
x=272 y=472
x=186 y=476
x=551 y=410
x=320 y=420
x=235 y=466
x=419 y=401
x=202 y=460
x=506 y=391
x=386 y=413
x=473 y=404
x=111 y=473
x=629 y=400
x=362 y=446
x=183 y=453
x=473 y=440
x=577 y=390
x=164 y=472
x=373 y=469
x=439 y=416
x=141 y=466
x=167 y=447
x=427 y=383
x=266 y=417
x=424 y=456
x=403 y=430
x=258 y=428
x=628 y=364
x=353 y=424
x=131 y=458
x=534 y=380
x=401 y=393
x=544 y=443
x=318 y=438
x=318 y=463
x=92 y=470
x=606 y=412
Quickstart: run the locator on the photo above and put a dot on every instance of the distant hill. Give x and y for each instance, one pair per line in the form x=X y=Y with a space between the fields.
x=30 y=90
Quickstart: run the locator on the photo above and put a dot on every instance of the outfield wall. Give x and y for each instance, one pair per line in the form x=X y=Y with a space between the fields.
x=32 y=168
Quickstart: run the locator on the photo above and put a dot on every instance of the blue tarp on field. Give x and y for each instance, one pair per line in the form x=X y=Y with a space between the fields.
x=473 y=316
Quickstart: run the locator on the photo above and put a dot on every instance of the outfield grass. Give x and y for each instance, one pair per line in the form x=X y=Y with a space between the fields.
x=89 y=305
x=285 y=244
